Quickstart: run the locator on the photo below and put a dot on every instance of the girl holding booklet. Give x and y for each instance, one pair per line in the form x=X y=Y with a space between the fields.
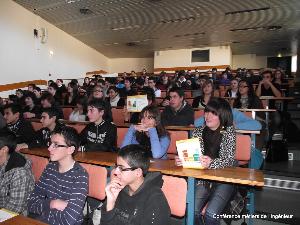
x=150 y=133
x=217 y=143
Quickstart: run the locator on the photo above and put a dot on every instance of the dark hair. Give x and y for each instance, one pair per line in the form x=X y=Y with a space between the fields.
x=47 y=96
x=70 y=135
x=53 y=85
x=115 y=89
x=31 y=85
x=37 y=88
x=8 y=140
x=150 y=94
x=97 y=103
x=20 y=90
x=152 y=78
x=136 y=157
x=267 y=72
x=15 y=108
x=178 y=90
x=60 y=80
x=51 y=112
x=222 y=109
x=252 y=97
x=82 y=100
x=207 y=82
x=31 y=95
x=74 y=86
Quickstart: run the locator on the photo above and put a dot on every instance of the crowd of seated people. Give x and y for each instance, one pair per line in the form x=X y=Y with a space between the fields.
x=93 y=101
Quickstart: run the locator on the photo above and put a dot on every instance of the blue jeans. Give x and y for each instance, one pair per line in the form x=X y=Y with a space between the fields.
x=216 y=196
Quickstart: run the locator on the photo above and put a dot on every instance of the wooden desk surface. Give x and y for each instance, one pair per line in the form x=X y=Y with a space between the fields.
x=22 y=220
x=235 y=175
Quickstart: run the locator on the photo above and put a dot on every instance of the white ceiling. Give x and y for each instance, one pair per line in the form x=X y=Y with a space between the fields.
x=137 y=28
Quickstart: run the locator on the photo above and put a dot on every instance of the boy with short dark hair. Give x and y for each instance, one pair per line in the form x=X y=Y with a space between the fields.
x=59 y=196
x=99 y=135
x=42 y=137
x=134 y=195
x=17 y=181
x=17 y=125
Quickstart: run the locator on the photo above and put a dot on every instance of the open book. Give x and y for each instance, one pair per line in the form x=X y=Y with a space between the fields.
x=6 y=214
x=136 y=103
x=189 y=152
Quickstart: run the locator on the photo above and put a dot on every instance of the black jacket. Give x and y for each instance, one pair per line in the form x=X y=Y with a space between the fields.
x=100 y=137
x=42 y=137
x=183 y=117
x=22 y=129
x=147 y=206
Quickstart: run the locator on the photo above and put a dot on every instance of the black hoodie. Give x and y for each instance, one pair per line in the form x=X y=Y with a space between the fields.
x=100 y=137
x=147 y=206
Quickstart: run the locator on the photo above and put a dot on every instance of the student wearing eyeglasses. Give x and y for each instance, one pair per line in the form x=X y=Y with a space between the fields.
x=150 y=133
x=134 y=195
x=59 y=196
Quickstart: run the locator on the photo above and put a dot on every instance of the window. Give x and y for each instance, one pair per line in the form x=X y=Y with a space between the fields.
x=200 y=56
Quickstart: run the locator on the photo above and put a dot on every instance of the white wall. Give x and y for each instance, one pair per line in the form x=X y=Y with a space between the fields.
x=23 y=57
x=249 y=61
x=220 y=55
x=120 y=65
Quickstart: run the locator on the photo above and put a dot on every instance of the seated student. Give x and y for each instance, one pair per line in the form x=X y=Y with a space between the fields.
x=127 y=90
x=266 y=87
x=217 y=141
x=134 y=195
x=16 y=124
x=208 y=93
x=177 y=112
x=53 y=90
x=99 y=135
x=59 y=196
x=114 y=97
x=17 y=180
x=232 y=91
x=99 y=94
x=48 y=101
x=72 y=94
x=42 y=136
x=152 y=84
x=150 y=133
x=79 y=113
x=38 y=94
x=31 y=109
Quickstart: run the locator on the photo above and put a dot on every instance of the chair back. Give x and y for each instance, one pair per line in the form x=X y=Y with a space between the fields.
x=67 y=111
x=176 y=135
x=243 y=149
x=36 y=125
x=118 y=115
x=121 y=132
x=97 y=180
x=38 y=165
x=77 y=126
x=175 y=190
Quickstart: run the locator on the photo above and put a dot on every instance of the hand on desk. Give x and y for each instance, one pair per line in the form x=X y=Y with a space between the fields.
x=58 y=204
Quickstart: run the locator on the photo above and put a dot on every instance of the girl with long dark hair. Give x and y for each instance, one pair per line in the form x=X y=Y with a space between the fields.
x=150 y=133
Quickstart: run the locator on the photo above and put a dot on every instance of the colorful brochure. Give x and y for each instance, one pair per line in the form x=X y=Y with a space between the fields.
x=136 y=103
x=190 y=153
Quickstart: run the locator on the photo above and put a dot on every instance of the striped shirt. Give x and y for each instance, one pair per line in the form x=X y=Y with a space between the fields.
x=71 y=186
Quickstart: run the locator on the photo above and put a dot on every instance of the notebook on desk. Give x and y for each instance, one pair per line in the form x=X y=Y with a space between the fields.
x=190 y=153
x=6 y=214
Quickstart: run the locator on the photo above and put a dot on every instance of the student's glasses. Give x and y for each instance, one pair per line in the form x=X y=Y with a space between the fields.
x=55 y=145
x=122 y=169
x=242 y=86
